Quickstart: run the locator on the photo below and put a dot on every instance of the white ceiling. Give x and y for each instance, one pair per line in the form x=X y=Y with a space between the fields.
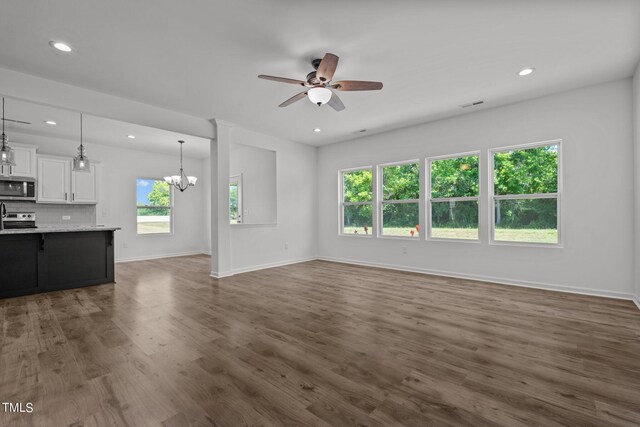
x=97 y=130
x=202 y=57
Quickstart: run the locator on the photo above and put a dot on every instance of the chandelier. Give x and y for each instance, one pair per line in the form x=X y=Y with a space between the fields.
x=181 y=181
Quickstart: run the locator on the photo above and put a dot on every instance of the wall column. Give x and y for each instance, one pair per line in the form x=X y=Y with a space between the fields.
x=220 y=227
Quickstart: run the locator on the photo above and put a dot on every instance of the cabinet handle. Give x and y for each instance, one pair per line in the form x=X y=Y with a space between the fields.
x=65 y=196
x=73 y=196
x=10 y=170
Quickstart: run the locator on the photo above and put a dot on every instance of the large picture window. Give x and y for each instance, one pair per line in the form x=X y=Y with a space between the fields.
x=453 y=197
x=153 y=197
x=357 y=202
x=400 y=200
x=526 y=194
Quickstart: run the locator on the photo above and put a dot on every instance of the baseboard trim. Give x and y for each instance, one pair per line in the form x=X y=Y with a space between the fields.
x=217 y=275
x=490 y=279
x=636 y=299
x=273 y=264
x=146 y=258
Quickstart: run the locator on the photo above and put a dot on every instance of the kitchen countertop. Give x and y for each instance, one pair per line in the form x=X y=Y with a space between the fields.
x=58 y=229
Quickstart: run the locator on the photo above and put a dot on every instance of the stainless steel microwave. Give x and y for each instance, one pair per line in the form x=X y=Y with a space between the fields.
x=17 y=188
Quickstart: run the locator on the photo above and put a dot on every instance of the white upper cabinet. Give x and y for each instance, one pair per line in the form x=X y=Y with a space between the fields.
x=84 y=186
x=58 y=183
x=25 y=157
x=53 y=180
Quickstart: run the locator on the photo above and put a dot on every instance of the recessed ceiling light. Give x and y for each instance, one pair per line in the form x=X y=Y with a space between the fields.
x=63 y=47
x=316 y=130
x=131 y=136
x=51 y=122
x=526 y=71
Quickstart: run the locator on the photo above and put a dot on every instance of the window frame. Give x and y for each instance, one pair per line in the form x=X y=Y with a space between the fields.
x=430 y=200
x=380 y=199
x=238 y=180
x=493 y=197
x=342 y=203
x=171 y=206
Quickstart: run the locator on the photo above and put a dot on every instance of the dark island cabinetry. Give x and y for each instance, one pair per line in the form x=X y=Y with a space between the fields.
x=32 y=262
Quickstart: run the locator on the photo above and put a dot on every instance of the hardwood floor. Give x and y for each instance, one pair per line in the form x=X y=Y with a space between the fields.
x=316 y=344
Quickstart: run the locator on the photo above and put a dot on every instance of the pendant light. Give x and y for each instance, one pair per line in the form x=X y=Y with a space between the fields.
x=7 y=155
x=81 y=162
x=181 y=181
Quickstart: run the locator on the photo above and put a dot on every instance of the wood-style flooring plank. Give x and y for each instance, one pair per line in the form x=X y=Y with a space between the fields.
x=316 y=344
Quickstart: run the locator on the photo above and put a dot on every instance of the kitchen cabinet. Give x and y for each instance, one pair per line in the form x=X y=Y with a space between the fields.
x=53 y=180
x=44 y=260
x=84 y=186
x=25 y=158
x=58 y=183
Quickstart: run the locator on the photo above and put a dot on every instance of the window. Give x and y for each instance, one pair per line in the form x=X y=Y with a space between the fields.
x=154 y=204
x=235 y=199
x=357 y=206
x=400 y=200
x=453 y=198
x=526 y=194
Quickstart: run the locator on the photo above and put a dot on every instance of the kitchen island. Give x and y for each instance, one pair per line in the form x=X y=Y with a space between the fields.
x=52 y=258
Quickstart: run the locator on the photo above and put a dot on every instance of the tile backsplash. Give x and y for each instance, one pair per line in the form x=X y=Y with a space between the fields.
x=47 y=214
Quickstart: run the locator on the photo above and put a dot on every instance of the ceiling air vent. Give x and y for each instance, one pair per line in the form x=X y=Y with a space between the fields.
x=472 y=104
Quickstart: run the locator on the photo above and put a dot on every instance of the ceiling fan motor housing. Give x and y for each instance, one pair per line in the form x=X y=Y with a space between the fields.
x=312 y=79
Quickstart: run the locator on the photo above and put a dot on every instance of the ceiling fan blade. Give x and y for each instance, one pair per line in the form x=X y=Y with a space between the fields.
x=335 y=102
x=281 y=79
x=293 y=99
x=327 y=67
x=16 y=121
x=356 y=85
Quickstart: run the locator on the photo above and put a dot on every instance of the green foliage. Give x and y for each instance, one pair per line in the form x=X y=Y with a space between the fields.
x=454 y=214
x=359 y=217
x=401 y=182
x=233 y=203
x=357 y=186
x=154 y=211
x=530 y=171
x=456 y=177
x=532 y=213
x=159 y=194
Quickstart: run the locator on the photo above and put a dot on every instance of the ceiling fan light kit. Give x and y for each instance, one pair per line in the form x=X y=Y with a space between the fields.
x=320 y=90
x=319 y=95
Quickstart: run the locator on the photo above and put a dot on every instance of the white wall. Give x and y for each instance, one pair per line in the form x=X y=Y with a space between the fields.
x=595 y=126
x=636 y=140
x=256 y=246
x=119 y=169
x=258 y=169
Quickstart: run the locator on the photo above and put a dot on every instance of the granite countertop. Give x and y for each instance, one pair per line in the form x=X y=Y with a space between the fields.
x=59 y=229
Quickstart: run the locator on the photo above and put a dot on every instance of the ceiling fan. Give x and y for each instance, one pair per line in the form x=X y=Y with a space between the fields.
x=319 y=85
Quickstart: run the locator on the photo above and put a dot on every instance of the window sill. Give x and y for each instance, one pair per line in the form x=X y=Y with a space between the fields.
x=444 y=239
x=416 y=239
x=526 y=244
x=365 y=236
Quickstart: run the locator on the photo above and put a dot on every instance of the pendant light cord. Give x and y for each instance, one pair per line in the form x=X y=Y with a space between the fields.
x=181 y=144
x=81 y=146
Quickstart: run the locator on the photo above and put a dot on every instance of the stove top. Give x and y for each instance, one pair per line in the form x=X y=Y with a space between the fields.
x=15 y=220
